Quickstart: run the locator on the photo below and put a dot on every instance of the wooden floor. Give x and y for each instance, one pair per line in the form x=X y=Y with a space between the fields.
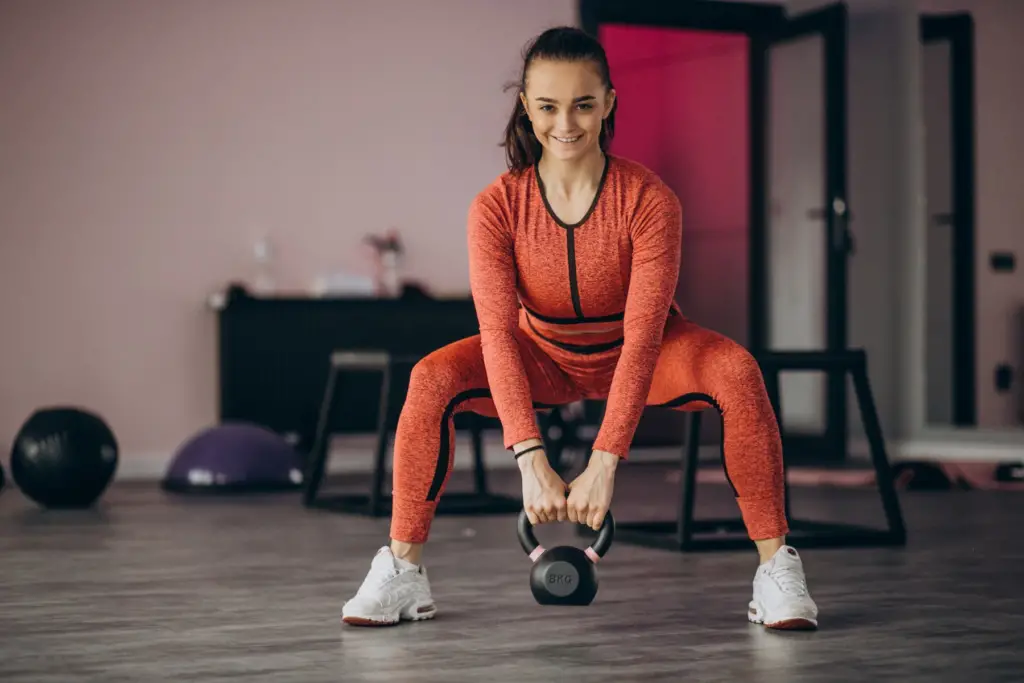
x=153 y=587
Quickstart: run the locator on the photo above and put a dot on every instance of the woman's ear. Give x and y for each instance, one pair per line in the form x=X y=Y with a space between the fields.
x=609 y=103
x=522 y=98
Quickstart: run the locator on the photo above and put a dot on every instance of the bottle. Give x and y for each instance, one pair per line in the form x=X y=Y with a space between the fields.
x=389 y=281
x=263 y=254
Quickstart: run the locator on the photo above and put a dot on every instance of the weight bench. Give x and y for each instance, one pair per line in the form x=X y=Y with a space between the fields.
x=685 y=533
x=377 y=503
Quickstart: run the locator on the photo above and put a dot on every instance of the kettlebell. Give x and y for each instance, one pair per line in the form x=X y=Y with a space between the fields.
x=564 y=575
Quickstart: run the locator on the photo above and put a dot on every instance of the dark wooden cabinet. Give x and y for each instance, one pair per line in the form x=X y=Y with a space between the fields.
x=274 y=351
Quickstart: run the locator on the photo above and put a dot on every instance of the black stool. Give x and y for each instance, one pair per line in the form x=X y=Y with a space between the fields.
x=688 y=534
x=376 y=503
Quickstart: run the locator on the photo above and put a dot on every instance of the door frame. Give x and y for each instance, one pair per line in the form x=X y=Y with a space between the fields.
x=831 y=22
x=958 y=30
x=765 y=24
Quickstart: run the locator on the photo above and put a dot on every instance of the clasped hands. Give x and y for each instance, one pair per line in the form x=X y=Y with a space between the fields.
x=590 y=494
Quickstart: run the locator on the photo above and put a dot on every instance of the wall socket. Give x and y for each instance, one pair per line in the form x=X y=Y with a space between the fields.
x=1003 y=377
x=1002 y=261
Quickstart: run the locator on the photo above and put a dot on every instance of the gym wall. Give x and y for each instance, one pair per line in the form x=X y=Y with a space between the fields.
x=145 y=147
x=999 y=203
x=888 y=157
x=684 y=113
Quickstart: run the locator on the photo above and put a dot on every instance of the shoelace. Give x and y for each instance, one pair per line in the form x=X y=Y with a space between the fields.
x=788 y=580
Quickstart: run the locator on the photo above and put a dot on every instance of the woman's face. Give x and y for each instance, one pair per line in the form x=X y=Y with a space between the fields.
x=566 y=102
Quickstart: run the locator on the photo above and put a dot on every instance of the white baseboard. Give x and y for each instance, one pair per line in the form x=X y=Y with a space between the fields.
x=354 y=454
x=348 y=454
x=963 y=451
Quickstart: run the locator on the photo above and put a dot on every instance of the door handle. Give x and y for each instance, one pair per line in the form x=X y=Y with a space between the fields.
x=842 y=238
x=838 y=207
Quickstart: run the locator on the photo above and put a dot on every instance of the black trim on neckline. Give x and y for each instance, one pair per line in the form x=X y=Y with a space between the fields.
x=570 y=230
x=574 y=285
x=593 y=204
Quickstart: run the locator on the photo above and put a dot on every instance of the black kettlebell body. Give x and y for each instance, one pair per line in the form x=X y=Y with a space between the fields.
x=564 y=575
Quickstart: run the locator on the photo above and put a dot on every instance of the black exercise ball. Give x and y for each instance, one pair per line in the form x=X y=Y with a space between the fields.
x=64 y=457
x=3 y=478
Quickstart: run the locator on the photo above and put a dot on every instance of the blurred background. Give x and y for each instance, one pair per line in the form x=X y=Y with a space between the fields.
x=229 y=227
x=153 y=153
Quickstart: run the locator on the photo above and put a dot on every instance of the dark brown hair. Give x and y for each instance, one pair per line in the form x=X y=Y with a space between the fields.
x=562 y=43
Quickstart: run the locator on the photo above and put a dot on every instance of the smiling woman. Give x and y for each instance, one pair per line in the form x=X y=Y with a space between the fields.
x=573 y=263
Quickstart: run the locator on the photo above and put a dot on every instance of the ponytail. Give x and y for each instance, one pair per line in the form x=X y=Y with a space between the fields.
x=522 y=148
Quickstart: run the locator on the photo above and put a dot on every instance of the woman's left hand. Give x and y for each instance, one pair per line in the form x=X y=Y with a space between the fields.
x=590 y=494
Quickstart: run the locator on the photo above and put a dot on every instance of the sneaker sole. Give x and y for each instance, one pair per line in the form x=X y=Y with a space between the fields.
x=797 y=624
x=755 y=616
x=421 y=613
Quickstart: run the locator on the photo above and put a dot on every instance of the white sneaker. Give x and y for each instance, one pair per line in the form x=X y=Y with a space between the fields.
x=390 y=593
x=781 y=599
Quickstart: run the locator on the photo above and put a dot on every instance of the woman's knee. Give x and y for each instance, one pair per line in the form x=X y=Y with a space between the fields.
x=734 y=366
x=443 y=373
x=430 y=379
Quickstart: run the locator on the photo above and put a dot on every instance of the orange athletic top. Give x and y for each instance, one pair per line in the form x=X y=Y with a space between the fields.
x=617 y=267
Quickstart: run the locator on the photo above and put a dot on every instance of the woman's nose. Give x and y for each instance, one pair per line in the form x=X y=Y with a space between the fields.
x=566 y=122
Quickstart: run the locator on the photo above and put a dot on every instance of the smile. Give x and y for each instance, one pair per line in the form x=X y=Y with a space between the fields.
x=569 y=140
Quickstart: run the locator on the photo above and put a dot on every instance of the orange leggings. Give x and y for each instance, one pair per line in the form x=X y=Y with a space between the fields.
x=696 y=368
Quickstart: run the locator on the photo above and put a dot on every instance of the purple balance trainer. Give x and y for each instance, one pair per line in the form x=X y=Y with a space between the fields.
x=235 y=457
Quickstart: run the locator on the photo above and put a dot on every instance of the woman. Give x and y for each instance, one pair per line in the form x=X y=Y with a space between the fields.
x=574 y=259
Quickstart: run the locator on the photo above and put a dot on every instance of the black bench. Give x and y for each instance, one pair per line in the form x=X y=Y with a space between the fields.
x=686 y=533
x=375 y=502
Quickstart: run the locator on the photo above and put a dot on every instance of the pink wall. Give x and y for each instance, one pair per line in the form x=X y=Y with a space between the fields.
x=683 y=113
x=145 y=146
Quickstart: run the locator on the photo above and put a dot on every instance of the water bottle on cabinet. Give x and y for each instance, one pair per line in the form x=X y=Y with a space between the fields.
x=263 y=254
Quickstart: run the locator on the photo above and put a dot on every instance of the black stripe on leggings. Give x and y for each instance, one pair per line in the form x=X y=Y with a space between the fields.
x=443 y=452
x=694 y=397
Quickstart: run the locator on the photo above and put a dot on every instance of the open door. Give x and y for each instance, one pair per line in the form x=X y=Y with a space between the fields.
x=800 y=237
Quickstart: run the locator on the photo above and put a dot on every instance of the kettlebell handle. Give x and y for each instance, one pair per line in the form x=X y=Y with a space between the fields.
x=595 y=552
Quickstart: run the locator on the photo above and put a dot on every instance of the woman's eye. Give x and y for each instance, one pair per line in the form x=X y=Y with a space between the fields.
x=582 y=105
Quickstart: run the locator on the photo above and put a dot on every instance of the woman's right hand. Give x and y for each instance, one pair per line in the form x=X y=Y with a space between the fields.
x=544 y=492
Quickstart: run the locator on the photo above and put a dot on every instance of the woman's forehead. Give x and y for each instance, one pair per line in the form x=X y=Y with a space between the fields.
x=563 y=79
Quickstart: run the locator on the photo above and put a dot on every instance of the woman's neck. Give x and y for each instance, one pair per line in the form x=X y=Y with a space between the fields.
x=569 y=179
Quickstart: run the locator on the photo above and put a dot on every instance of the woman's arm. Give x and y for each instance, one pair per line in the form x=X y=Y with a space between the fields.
x=657 y=239
x=492 y=278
